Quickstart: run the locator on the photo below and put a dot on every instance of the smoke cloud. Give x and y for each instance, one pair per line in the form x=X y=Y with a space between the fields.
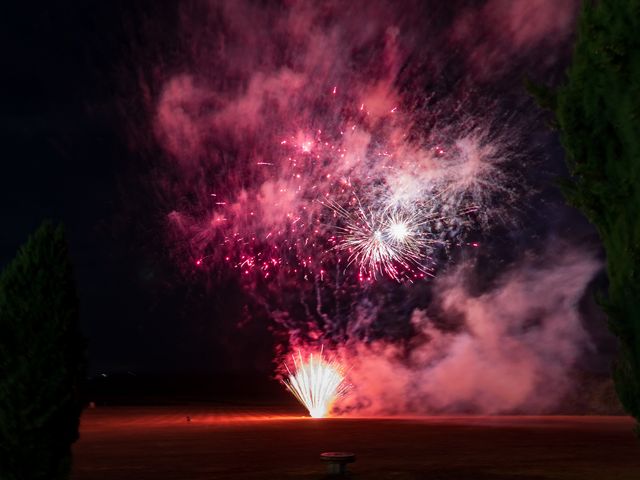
x=512 y=351
x=498 y=33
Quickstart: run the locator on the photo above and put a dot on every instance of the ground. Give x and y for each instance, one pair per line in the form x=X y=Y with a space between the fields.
x=160 y=443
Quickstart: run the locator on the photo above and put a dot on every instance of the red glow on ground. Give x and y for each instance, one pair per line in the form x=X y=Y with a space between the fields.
x=203 y=442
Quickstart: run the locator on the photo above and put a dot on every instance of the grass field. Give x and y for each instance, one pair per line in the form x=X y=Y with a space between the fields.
x=126 y=443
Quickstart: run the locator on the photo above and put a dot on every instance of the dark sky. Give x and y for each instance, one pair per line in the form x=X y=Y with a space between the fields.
x=66 y=159
x=66 y=66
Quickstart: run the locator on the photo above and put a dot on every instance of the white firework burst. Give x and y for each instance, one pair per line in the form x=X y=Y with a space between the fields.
x=390 y=242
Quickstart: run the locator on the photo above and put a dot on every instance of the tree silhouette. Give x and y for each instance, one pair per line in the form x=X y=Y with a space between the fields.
x=597 y=112
x=41 y=360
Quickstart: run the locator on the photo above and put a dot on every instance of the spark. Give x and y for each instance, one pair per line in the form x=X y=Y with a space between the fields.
x=388 y=242
x=315 y=382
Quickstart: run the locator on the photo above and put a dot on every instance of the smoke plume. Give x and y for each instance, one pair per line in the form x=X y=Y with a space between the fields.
x=512 y=350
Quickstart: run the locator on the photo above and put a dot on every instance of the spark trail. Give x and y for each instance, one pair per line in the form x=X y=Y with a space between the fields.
x=315 y=382
x=393 y=243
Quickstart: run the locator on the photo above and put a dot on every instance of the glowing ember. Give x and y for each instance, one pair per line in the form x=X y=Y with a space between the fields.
x=316 y=383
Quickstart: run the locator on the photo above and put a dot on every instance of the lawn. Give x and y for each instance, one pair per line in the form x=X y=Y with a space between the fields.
x=198 y=443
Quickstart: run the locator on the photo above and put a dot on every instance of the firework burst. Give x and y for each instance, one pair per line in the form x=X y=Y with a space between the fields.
x=335 y=172
x=315 y=382
x=390 y=242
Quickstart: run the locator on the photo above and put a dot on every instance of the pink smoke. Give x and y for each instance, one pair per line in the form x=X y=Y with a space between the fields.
x=513 y=352
x=502 y=31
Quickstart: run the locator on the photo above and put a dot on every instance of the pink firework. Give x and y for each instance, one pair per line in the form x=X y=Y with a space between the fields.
x=262 y=156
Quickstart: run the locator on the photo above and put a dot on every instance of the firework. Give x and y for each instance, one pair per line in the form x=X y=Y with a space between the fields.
x=388 y=242
x=259 y=156
x=315 y=382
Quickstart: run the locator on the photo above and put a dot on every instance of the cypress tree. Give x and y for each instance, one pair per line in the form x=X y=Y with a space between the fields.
x=41 y=360
x=597 y=112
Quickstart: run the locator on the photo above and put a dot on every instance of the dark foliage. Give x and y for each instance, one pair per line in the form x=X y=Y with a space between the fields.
x=41 y=360
x=597 y=112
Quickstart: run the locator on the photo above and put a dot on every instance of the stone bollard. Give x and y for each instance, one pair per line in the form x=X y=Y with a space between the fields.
x=337 y=461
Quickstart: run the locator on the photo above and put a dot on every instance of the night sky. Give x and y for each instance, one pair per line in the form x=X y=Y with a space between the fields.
x=68 y=71
x=71 y=90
